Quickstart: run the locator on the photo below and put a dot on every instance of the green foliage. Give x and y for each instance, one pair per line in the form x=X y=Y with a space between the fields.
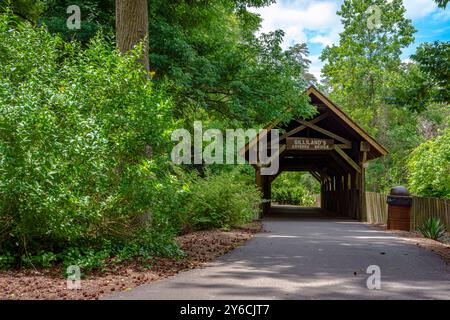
x=433 y=59
x=40 y=259
x=358 y=67
x=75 y=127
x=26 y=9
x=95 y=16
x=442 y=3
x=433 y=228
x=78 y=122
x=365 y=75
x=400 y=138
x=7 y=260
x=424 y=82
x=295 y=188
x=222 y=201
x=410 y=89
x=429 y=167
x=237 y=78
x=145 y=244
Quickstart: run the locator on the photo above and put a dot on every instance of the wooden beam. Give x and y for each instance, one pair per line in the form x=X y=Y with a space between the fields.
x=348 y=159
x=364 y=158
x=341 y=162
x=346 y=119
x=362 y=192
x=254 y=141
x=364 y=146
x=277 y=154
x=315 y=175
x=302 y=127
x=324 y=175
x=325 y=132
x=344 y=146
x=259 y=182
x=300 y=167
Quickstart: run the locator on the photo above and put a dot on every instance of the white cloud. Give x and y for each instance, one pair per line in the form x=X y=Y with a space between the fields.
x=295 y=18
x=303 y=21
x=316 y=66
x=441 y=15
x=328 y=39
x=416 y=9
x=316 y=21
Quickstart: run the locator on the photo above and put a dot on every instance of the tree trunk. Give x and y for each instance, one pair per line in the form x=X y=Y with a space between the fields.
x=132 y=26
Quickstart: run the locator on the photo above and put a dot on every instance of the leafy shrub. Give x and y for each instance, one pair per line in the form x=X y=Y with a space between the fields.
x=41 y=259
x=295 y=188
x=76 y=129
x=6 y=260
x=222 y=201
x=433 y=228
x=429 y=168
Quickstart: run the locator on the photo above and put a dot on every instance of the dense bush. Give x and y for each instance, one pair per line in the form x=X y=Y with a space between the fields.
x=295 y=188
x=429 y=167
x=85 y=176
x=222 y=201
x=77 y=127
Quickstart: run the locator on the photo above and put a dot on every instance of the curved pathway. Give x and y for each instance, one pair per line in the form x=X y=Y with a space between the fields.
x=310 y=257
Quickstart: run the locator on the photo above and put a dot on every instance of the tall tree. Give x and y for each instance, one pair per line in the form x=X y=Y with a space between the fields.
x=369 y=49
x=433 y=60
x=424 y=81
x=359 y=71
x=239 y=77
x=209 y=59
x=132 y=26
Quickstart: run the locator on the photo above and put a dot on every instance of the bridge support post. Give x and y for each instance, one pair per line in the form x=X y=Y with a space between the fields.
x=263 y=184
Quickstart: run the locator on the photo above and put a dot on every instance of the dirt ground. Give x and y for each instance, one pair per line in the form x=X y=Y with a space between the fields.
x=199 y=246
x=440 y=248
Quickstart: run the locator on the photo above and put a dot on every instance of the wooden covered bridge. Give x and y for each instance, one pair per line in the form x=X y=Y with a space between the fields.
x=332 y=148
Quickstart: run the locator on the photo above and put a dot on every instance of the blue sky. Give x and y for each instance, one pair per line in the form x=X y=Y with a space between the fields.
x=316 y=23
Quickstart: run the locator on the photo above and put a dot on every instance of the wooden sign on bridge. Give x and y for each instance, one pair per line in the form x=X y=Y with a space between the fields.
x=298 y=143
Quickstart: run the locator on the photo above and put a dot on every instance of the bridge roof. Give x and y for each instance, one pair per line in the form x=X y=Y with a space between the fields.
x=331 y=122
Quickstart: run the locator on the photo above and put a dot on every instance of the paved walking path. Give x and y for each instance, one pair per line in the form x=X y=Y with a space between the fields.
x=310 y=257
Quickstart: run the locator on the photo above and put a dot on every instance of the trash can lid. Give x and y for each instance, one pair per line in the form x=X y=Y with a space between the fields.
x=399 y=191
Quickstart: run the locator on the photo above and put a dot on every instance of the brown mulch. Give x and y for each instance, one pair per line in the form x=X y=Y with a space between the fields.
x=440 y=248
x=199 y=246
